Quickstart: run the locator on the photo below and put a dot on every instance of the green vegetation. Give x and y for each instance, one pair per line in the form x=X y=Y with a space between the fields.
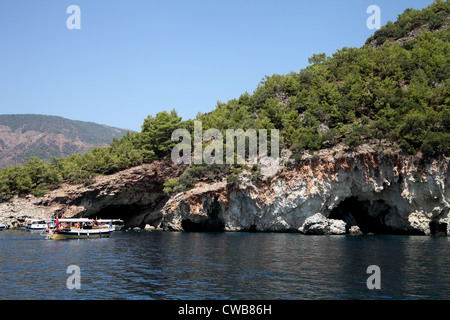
x=411 y=19
x=396 y=92
x=36 y=176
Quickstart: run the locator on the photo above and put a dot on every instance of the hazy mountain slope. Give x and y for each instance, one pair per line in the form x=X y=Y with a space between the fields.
x=26 y=135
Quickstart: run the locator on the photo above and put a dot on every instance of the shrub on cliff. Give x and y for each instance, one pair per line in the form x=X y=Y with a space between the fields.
x=434 y=15
x=37 y=176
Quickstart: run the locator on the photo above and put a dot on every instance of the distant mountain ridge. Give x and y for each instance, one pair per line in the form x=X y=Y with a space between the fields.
x=26 y=135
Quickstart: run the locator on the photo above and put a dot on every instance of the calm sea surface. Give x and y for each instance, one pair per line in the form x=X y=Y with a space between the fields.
x=276 y=266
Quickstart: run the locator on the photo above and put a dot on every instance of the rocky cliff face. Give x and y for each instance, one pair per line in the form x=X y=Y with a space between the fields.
x=378 y=191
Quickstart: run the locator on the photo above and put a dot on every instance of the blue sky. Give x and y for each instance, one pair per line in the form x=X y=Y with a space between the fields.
x=133 y=58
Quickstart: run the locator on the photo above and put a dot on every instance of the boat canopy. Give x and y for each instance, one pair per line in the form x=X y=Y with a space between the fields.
x=110 y=220
x=75 y=220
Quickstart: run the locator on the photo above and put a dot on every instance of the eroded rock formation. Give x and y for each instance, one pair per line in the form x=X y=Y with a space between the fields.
x=373 y=191
x=380 y=192
x=318 y=224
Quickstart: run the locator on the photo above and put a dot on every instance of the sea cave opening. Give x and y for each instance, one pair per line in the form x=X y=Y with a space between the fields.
x=438 y=229
x=213 y=222
x=369 y=216
x=123 y=212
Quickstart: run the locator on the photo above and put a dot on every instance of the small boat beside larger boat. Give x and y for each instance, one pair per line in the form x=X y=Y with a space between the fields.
x=79 y=229
x=118 y=224
x=35 y=225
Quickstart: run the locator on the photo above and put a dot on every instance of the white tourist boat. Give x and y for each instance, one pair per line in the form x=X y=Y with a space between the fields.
x=35 y=225
x=81 y=228
x=117 y=224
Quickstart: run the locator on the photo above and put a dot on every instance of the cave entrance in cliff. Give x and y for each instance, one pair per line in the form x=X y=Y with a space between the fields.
x=438 y=229
x=368 y=216
x=123 y=212
x=213 y=222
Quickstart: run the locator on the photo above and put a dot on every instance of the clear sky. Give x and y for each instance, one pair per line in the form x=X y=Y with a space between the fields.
x=133 y=58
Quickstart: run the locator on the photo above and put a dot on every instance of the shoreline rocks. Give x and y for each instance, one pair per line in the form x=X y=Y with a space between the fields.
x=355 y=230
x=320 y=225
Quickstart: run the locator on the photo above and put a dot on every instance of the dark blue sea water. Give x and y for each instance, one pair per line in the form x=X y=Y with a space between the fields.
x=276 y=266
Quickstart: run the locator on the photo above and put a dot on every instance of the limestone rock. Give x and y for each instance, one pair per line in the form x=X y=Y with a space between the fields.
x=336 y=226
x=354 y=230
x=318 y=224
x=381 y=191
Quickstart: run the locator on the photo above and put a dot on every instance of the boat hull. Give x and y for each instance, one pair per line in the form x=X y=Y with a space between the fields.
x=61 y=235
x=35 y=229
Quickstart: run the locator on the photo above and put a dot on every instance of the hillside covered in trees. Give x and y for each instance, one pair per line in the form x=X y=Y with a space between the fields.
x=394 y=89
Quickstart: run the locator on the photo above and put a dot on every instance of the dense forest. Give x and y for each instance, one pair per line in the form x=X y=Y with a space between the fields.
x=394 y=89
